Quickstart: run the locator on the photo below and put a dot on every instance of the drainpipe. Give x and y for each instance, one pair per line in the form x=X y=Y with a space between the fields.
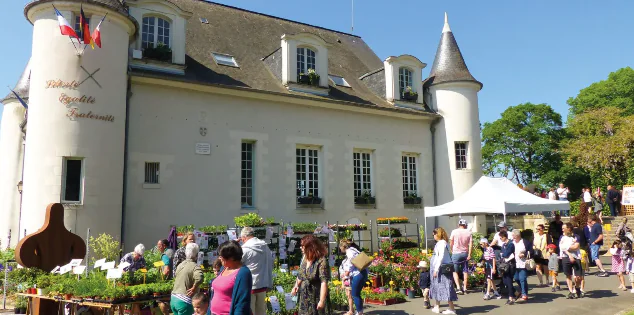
x=22 y=126
x=125 y=156
x=432 y=128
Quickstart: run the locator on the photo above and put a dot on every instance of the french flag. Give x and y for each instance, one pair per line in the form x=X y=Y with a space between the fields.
x=64 y=26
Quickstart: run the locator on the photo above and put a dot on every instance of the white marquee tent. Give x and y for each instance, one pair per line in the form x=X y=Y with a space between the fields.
x=495 y=196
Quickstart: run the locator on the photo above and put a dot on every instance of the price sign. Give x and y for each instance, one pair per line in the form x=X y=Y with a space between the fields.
x=124 y=265
x=114 y=274
x=108 y=265
x=159 y=263
x=99 y=263
x=79 y=270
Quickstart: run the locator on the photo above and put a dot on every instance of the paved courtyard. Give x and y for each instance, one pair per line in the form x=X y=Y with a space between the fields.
x=603 y=299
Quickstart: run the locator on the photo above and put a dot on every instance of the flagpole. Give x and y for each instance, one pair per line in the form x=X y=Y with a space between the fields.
x=69 y=38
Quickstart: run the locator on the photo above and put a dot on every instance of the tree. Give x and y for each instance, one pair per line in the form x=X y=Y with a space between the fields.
x=617 y=91
x=523 y=143
x=602 y=143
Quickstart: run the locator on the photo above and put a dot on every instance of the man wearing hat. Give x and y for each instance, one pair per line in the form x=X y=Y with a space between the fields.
x=424 y=282
x=460 y=242
x=496 y=239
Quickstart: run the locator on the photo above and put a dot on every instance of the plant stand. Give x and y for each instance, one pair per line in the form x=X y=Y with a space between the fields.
x=405 y=234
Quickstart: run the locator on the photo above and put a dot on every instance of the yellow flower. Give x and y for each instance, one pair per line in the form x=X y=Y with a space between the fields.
x=392 y=257
x=267 y=299
x=376 y=254
x=391 y=282
x=398 y=269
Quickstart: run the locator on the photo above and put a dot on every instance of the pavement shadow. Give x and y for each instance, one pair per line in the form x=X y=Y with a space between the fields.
x=476 y=309
x=387 y=312
x=597 y=294
x=538 y=297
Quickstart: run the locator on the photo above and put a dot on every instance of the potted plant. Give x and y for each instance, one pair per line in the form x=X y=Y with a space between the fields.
x=249 y=219
x=390 y=232
x=412 y=199
x=310 y=77
x=20 y=305
x=161 y=52
x=409 y=94
x=366 y=198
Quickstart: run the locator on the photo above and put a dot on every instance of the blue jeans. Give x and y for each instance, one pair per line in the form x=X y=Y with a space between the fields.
x=564 y=213
x=520 y=278
x=459 y=262
x=594 y=251
x=356 y=286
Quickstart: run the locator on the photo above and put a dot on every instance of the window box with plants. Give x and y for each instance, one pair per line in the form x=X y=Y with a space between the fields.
x=309 y=78
x=309 y=202
x=160 y=52
x=410 y=95
x=412 y=201
x=366 y=200
x=253 y=220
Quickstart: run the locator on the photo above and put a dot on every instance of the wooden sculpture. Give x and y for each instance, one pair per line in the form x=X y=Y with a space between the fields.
x=52 y=245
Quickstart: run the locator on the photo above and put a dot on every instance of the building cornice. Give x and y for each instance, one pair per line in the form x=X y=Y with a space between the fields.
x=287 y=98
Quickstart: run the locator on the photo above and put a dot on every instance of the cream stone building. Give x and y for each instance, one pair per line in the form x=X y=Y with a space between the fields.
x=195 y=112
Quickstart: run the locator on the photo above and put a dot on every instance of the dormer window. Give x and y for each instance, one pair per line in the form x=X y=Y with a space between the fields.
x=155 y=30
x=305 y=60
x=404 y=81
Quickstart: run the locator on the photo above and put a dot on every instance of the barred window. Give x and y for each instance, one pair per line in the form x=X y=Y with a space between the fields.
x=152 y=172
x=362 y=173
x=246 y=190
x=307 y=172
x=461 y=155
x=410 y=175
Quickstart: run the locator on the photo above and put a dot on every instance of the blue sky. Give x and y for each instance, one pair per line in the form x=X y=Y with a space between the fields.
x=522 y=51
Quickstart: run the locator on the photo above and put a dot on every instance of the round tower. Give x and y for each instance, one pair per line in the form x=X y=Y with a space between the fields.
x=454 y=95
x=12 y=150
x=77 y=113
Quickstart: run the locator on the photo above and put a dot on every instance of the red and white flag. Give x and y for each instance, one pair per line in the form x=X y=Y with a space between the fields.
x=96 y=34
x=64 y=26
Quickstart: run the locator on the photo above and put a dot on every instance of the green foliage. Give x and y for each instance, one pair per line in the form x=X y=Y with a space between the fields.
x=602 y=144
x=185 y=229
x=304 y=227
x=390 y=232
x=250 y=219
x=104 y=246
x=285 y=279
x=383 y=296
x=161 y=52
x=21 y=302
x=615 y=92
x=476 y=251
x=6 y=255
x=523 y=143
x=213 y=229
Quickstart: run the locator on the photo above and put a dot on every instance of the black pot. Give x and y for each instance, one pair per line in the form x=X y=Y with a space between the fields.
x=22 y=310
x=304 y=79
x=410 y=96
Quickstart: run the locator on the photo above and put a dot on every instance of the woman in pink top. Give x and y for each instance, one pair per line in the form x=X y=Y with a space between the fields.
x=460 y=242
x=232 y=287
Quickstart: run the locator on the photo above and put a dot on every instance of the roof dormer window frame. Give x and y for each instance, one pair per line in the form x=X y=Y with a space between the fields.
x=395 y=85
x=296 y=60
x=156 y=27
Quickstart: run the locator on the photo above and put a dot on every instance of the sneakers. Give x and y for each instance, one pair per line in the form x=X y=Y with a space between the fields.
x=458 y=291
x=486 y=297
x=581 y=294
x=558 y=288
x=571 y=296
x=509 y=302
x=498 y=296
x=553 y=290
x=524 y=298
x=448 y=312
x=436 y=310
x=632 y=291
x=427 y=305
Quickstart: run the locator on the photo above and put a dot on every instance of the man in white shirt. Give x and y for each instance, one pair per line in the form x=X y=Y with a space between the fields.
x=496 y=237
x=563 y=192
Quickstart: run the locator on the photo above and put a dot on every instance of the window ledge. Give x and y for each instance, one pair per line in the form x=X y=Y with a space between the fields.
x=413 y=206
x=151 y=186
x=309 y=89
x=244 y=210
x=408 y=104
x=72 y=205
x=155 y=65
x=365 y=206
x=310 y=206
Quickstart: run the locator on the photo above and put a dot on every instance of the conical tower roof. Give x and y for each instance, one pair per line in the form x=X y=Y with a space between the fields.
x=449 y=65
x=22 y=87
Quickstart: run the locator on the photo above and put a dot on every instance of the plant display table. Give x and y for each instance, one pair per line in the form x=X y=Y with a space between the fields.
x=103 y=307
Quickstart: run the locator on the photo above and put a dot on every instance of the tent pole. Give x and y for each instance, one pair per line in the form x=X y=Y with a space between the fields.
x=425 y=236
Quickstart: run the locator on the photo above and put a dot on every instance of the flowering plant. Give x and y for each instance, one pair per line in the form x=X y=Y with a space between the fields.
x=390 y=232
x=351 y=227
x=392 y=220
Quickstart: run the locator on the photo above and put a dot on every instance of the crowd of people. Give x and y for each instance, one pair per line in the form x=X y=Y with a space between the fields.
x=244 y=273
x=596 y=199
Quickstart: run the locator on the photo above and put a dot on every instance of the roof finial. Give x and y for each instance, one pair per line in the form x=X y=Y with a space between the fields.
x=446 y=28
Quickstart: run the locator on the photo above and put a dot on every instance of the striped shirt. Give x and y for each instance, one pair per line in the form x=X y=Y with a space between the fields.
x=488 y=253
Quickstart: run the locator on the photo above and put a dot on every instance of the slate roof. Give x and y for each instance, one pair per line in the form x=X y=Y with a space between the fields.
x=449 y=65
x=22 y=87
x=254 y=40
x=112 y=4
